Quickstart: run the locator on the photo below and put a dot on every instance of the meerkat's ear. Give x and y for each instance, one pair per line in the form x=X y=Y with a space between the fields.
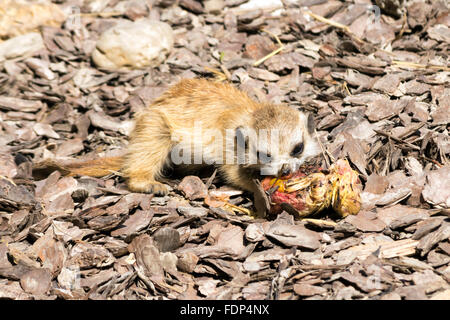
x=310 y=123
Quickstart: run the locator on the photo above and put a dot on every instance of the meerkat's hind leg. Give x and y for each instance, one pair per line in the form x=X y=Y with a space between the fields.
x=147 y=186
x=147 y=155
x=145 y=179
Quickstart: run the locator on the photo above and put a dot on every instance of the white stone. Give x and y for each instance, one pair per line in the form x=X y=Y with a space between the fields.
x=214 y=6
x=21 y=46
x=137 y=44
x=263 y=5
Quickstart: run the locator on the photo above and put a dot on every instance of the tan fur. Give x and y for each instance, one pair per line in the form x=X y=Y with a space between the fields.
x=217 y=106
x=74 y=167
x=96 y=168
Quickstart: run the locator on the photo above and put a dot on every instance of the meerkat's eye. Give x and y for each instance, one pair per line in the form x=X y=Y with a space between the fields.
x=298 y=149
x=264 y=157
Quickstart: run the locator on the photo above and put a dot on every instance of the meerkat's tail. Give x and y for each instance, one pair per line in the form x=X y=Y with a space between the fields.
x=97 y=168
x=94 y=168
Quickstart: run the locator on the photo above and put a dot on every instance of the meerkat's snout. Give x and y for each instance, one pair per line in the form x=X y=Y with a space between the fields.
x=285 y=170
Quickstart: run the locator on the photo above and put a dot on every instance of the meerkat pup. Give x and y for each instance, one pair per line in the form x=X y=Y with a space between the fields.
x=201 y=122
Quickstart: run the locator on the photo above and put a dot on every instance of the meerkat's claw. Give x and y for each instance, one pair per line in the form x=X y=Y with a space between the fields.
x=158 y=189
x=154 y=187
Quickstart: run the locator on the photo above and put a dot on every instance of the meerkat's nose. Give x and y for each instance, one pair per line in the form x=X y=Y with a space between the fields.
x=285 y=170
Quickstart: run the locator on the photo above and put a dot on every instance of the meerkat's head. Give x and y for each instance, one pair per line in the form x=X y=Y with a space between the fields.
x=279 y=140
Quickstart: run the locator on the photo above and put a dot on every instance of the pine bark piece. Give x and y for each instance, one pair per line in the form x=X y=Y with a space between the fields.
x=383 y=249
x=14 y=197
x=88 y=255
x=147 y=256
x=294 y=235
x=430 y=240
x=193 y=188
x=437 y=188
x=36 y=282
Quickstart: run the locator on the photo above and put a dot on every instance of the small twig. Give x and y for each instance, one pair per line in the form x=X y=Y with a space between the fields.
x=411 y=130
x=8 y=179
x=344 y=85
x=321 y=222
x=257 y=63
x=141 y=274
x=387 y=161
x=376 y=165
x=226 y=72
x=334 y=24
x=299 y=276
x=273 y=35
x=237 y=208
x=420 y=66
x=412 y=146
x=210 y=179
x=276 y=51
x=404 y=24
x=220 y=76
x=98 y=14
x=403 y=29
x=431 y=160
x=375 y=150
x=319 y=267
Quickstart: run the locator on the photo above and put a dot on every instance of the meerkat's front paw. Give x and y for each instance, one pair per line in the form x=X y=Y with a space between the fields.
x=155 y=187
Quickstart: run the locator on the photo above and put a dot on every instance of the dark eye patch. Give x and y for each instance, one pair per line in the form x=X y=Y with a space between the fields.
x=298 y=149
